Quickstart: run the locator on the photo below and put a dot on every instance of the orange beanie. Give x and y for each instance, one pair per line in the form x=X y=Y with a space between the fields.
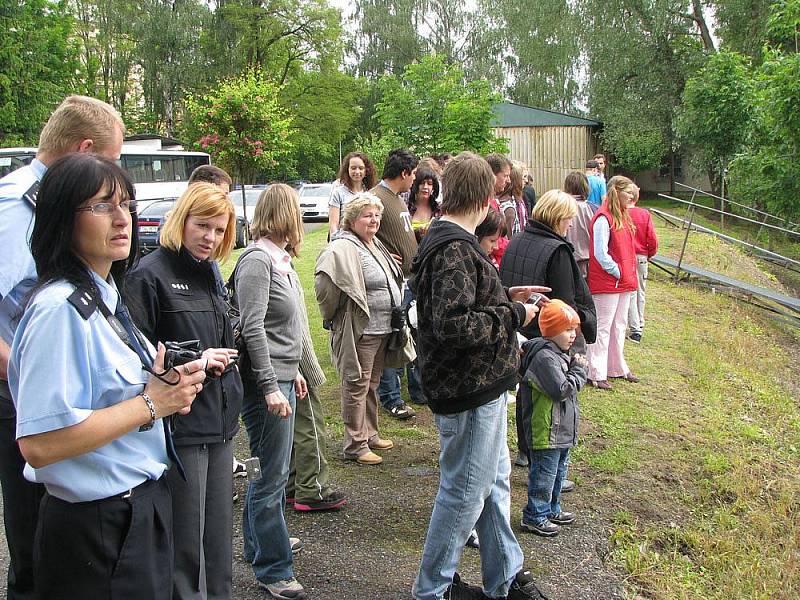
x=557 y=316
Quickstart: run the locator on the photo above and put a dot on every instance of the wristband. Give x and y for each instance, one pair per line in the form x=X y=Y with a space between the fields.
x=151 y=407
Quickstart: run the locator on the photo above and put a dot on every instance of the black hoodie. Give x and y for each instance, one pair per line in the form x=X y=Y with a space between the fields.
x=467 y=346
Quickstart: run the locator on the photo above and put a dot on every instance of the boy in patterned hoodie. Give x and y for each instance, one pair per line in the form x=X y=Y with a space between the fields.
x=550 y=421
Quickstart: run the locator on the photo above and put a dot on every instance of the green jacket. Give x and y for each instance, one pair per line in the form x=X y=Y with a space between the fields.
x=552 y=381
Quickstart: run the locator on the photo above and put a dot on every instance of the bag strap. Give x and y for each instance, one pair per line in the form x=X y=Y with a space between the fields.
x=388 y=285
x=231 y=283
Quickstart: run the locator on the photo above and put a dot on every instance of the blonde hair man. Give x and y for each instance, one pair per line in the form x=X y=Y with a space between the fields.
x=79 y=124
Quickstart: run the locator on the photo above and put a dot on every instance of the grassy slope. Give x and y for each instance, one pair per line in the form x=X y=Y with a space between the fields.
x=696 y=468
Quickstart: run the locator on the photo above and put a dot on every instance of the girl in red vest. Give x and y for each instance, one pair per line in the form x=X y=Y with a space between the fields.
x=612 y=277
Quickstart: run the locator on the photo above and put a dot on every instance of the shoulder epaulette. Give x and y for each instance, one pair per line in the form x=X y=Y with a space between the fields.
x=31 y=194
x=84 y=302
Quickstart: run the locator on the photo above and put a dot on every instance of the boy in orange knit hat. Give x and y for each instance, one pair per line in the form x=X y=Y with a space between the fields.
x=551 y=419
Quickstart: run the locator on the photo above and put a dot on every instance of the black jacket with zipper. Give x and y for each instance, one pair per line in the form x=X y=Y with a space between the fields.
x=539 y=256
x=174 y=297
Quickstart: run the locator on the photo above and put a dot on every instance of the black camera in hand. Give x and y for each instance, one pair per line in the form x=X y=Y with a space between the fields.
x=398 y=321
x=180 y=353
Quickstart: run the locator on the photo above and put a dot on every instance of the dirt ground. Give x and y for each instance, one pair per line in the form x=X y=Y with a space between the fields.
x=371 y=548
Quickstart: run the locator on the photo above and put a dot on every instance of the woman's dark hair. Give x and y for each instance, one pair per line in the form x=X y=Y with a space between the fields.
x=421 y=176
x=576 y=184
x=344 y=171
x=492 y=224
x=69 y=182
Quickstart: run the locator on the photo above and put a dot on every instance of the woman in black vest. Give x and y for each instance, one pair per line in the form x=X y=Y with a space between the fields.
x=541 y=255
x=177 y=294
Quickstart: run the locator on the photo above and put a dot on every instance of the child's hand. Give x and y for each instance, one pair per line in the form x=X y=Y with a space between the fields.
x=580 y=360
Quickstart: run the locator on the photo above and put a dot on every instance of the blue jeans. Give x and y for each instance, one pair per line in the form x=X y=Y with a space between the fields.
x=548 y=468
x=474 y=491
x=266 y=539
x=389 y=387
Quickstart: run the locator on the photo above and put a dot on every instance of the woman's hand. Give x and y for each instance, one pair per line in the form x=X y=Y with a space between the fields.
x=219 y=359
x=169 y=399
x=277 y=404
x=520 y=293
x=300 y=386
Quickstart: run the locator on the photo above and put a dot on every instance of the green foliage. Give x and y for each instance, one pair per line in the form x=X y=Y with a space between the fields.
x=431 y=110
x=765 y=174
x=325 y=105
x=639 y=57
x=718 y=105
x=241 y=124
x=544 y=51
x=37 y=66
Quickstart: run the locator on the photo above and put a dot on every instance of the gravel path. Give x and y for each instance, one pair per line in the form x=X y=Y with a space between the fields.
x=371 y=548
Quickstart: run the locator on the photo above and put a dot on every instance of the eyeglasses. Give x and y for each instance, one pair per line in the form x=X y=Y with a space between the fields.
x=106 y=209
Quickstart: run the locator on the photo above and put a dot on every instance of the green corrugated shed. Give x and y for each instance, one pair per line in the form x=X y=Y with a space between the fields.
x=508 y=114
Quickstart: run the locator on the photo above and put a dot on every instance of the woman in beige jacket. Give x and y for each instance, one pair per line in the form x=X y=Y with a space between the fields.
x=357 y=284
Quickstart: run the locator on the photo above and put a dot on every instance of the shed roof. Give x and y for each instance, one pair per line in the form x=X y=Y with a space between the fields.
x=508 y=114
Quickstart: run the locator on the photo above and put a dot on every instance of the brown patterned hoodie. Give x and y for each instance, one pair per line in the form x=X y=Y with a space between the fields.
x=467 y=345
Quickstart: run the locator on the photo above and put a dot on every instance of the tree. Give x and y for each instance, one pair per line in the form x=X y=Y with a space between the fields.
x=718 y=105
x=325 y=105
x=540 y=45
x=37 y=66
x=432 y=110
x=765 y=174
x=242 y=125
x=639 y=55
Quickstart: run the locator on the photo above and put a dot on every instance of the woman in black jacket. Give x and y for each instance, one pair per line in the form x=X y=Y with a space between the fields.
x=177 y=294
x=541 y=255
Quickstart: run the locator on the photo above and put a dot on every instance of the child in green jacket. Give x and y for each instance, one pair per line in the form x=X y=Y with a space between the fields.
x=553 y=380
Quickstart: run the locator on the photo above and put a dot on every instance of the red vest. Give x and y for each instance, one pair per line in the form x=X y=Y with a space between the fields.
x=621 y=249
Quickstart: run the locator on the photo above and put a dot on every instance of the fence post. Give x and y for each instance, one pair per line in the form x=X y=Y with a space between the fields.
x=685 y=240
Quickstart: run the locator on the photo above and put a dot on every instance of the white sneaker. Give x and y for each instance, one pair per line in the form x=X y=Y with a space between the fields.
x=285 y=589
x=239 y=468
x=296 y=544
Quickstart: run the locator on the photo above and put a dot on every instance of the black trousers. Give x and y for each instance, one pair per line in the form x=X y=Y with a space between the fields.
x=20 y=511
x=112 y=549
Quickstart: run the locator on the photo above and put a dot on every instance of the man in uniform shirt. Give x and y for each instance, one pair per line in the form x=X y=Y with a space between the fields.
x=79 y=124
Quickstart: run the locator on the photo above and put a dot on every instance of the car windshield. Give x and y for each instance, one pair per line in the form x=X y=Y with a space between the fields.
x=316 y=191
x=157 y=209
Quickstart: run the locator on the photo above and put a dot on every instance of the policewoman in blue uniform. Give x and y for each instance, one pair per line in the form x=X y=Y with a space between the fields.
x=91 y=401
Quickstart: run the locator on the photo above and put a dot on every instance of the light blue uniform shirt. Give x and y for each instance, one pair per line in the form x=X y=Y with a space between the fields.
x=17 y=271
x=62 y=368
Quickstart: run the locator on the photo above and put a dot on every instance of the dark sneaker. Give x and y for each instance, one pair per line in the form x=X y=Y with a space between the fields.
x=402 y=412
x=472 y=540
x=567 y=486
x=332 y=501
x=461 y=590
x=521 y=460
x=563 y=518
x=545 y=528
x=636 y=338
x=523 y=588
